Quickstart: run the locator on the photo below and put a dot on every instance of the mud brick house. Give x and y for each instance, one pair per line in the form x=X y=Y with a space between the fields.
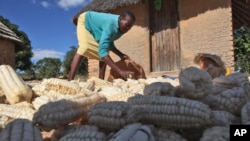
x=168 y=33
x=9 y=45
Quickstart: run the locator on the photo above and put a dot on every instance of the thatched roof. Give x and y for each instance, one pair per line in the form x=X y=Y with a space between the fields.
x=6 y=33
x=105 y=6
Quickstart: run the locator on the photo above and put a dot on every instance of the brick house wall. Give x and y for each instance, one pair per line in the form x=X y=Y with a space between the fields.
x=205 y=26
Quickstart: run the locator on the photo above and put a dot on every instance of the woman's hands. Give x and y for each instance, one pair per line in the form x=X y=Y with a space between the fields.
x=126 y=74
x=124 y=57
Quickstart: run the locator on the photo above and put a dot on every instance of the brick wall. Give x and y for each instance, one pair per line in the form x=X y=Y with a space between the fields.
x=206 y=26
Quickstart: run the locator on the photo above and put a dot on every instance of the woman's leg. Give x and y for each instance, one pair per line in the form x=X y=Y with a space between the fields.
x=74 y=66
x=102 y=69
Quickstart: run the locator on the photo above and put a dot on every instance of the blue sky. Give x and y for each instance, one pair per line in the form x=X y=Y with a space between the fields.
x=46 y=22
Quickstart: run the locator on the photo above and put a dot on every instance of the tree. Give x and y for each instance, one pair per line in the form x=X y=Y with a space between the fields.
x=83 y=68
x=242 y=49
x=47 y=68
x=22 y=58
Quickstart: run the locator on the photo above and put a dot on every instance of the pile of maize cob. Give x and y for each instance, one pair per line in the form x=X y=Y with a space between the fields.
x=193 y=107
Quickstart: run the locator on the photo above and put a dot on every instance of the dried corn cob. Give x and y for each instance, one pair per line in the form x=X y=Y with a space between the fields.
x=84 y=135
x=159 y=79
x=40 y=89
x=240 y=77
x=59 y=133
x=131 y=85
x=172 y=112
x=15 y=89
x=173 y=82
x=24 y=104
x=136 y=89
x=14 y=111
x=226 y=82
x=134 y=132
x=20 y=130
x=113 y=115
x=113 y=93
x=216 y=133
x=150 y=80
x=159 y=88
x=231 y=100
x=62 y=86
x=245 y=111
x=110 y=90
x=167 y=135
x=51 y=96
x=56 y=114
x=195 y=83
x=224 y=118
x=119 y=97
x=100 y=82
x=90 y=85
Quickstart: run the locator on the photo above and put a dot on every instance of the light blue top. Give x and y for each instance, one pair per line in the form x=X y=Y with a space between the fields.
x=105 y=30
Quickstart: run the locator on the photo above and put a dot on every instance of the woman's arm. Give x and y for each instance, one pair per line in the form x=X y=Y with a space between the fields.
x=119 y=53
x=124 y=74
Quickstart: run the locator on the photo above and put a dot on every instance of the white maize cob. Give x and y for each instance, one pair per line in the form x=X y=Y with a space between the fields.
x=100 y=82
x=119 y=97
x=62 y=86
x=15 y=89
x=40 y=89
x=51 y=96
x=90 y=85
x=173 y=82
x=113 y=93
x=24 y=104
x=110 y=90
x=136 y=89
x=14 y=111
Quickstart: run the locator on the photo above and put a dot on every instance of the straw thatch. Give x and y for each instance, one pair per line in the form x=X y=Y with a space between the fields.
x=104 y=6
x=6 y=33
